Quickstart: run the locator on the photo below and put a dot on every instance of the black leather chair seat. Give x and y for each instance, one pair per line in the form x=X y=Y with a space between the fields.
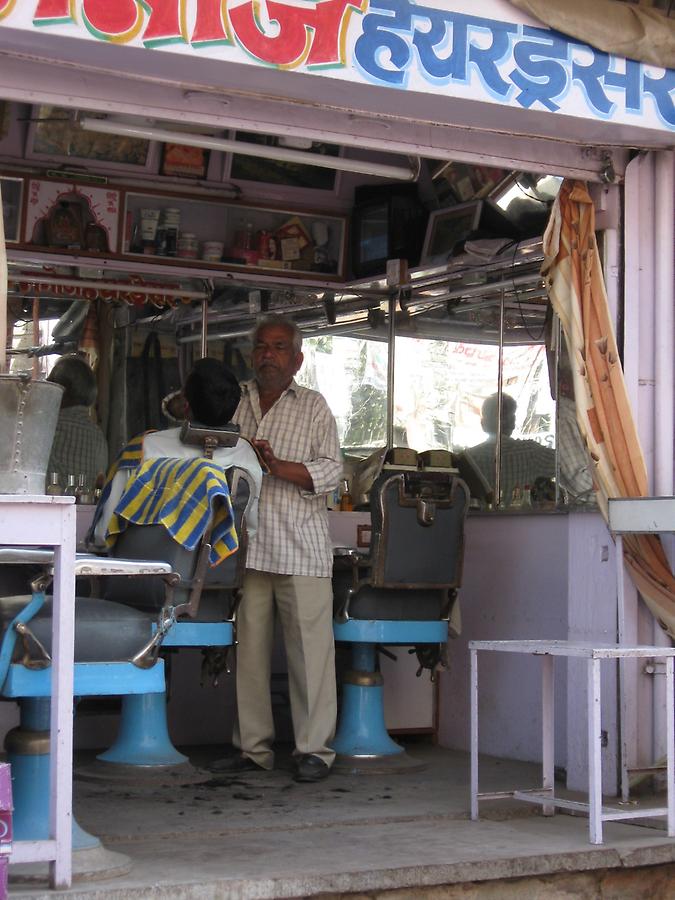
x=104 y=631
x=418 y=605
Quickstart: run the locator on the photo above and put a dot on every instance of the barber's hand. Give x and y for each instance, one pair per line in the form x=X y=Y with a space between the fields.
x=284 y=469
x=265 y=450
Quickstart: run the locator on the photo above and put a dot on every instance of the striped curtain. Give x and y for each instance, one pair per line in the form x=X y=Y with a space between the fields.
x=577 y=292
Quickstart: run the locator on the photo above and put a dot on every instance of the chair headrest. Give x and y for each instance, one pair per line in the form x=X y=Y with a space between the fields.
x=208 y=436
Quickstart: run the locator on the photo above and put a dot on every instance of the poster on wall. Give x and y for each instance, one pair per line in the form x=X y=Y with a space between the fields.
x=184 y=162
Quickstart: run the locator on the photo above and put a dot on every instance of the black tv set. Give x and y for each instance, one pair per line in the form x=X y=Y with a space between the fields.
x=388 y=222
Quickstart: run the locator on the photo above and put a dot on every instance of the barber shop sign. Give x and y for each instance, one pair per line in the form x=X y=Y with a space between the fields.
x=485 y=50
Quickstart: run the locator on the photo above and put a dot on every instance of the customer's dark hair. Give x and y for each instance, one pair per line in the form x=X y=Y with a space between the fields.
x=212 y=392
x=79 y=382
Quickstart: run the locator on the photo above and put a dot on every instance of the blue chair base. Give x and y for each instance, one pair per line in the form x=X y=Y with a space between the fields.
x=28 y=755
x=28 y=746
x=143 y=737
x=362 y=734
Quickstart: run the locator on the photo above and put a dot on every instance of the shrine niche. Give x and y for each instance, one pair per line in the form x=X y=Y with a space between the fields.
x=65 y=216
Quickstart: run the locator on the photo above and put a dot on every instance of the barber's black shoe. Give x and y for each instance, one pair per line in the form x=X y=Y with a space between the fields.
x=310 y=768
x=232 y=765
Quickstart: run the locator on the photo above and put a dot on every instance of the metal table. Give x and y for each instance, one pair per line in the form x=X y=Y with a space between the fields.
x=26 y=520
x=593 y=653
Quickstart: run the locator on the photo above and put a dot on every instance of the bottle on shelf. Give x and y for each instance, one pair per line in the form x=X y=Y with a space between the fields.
x=53 y=488
x=248 y=236
x=71 y=486
x=527 y=497
x=83 y=493
x=346 y=501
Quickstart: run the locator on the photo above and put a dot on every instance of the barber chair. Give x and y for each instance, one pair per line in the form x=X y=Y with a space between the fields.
x=204 y=606
x=401 y=592
x=115 y=653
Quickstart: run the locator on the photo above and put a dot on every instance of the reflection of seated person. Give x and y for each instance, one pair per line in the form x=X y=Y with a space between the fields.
x=79 y=446
x=522 y=461
x=575 y=460
x=211 y=395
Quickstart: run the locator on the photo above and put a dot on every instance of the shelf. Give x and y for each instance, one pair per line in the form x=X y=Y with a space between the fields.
x=275 y=241
x=100 y=226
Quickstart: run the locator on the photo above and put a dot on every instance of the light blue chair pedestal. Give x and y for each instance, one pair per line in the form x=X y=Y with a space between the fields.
x=28 y=754
x=362 y=743
x=143 y=750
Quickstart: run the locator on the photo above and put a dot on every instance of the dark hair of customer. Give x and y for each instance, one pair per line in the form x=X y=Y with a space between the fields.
x=489 y=414
x=212 y=392
x=77 y=379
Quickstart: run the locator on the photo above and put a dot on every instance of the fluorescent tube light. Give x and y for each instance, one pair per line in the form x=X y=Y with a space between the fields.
x=124 y=129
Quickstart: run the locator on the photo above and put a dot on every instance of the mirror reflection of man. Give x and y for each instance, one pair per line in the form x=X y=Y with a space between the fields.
x=289 y=562
x=79 y=446
x=575 y=461
x=522 y=461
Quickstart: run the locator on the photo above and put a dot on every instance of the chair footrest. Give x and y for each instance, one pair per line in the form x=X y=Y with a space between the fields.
x=91 y=680
x=382 y=631
x=199 y=634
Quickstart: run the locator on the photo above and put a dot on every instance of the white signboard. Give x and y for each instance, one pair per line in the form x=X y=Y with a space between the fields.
x=485 y=50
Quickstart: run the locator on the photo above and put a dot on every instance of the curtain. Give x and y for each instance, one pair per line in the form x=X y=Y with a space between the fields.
x=623 y=29
x=577 y=291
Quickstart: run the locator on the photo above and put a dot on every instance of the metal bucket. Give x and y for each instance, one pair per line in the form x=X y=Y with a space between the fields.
x=28 y=414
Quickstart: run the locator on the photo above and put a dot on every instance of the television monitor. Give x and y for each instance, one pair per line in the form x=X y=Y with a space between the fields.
x=387 y=223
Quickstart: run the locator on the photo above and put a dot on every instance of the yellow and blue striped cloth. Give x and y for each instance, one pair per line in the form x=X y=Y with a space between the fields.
x=183 y=495
x=129 y=457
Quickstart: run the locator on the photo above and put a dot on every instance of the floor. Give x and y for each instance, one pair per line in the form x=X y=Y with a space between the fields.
x=261 y=835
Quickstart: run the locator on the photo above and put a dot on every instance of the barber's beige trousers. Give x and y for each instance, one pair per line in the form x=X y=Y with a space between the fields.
x=305 y=609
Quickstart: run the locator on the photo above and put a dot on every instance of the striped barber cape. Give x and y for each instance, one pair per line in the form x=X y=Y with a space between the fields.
x=183 y=495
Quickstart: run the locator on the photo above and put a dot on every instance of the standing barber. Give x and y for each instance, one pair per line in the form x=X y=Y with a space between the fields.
x=289 y=561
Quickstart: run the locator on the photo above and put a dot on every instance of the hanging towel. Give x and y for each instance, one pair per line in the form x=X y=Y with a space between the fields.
x=183 y=496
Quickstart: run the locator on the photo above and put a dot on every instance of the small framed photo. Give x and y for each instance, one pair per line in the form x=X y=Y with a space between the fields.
x=12 y=202
x=184 y=162
x=447 y=227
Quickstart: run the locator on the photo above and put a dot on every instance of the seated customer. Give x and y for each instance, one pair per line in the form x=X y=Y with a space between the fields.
x=212 y=394
x=522 y=461
x=79 y=446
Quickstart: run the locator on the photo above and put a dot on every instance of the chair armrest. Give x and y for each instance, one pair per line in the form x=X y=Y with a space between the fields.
x=358 y=562
x=87 y=564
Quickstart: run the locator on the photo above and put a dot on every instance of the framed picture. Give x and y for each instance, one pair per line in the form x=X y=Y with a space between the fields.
x=184 y=162
x=448 y=226
x=459 y=183
x=275 y=171
x=12 y=201
x=55 y=136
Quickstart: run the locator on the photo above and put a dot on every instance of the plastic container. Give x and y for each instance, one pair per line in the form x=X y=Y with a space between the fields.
x=187 y=246
x=212 y=251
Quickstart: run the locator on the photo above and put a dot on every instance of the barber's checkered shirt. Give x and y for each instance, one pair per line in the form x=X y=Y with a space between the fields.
x=79 y=446
x=292 y=536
